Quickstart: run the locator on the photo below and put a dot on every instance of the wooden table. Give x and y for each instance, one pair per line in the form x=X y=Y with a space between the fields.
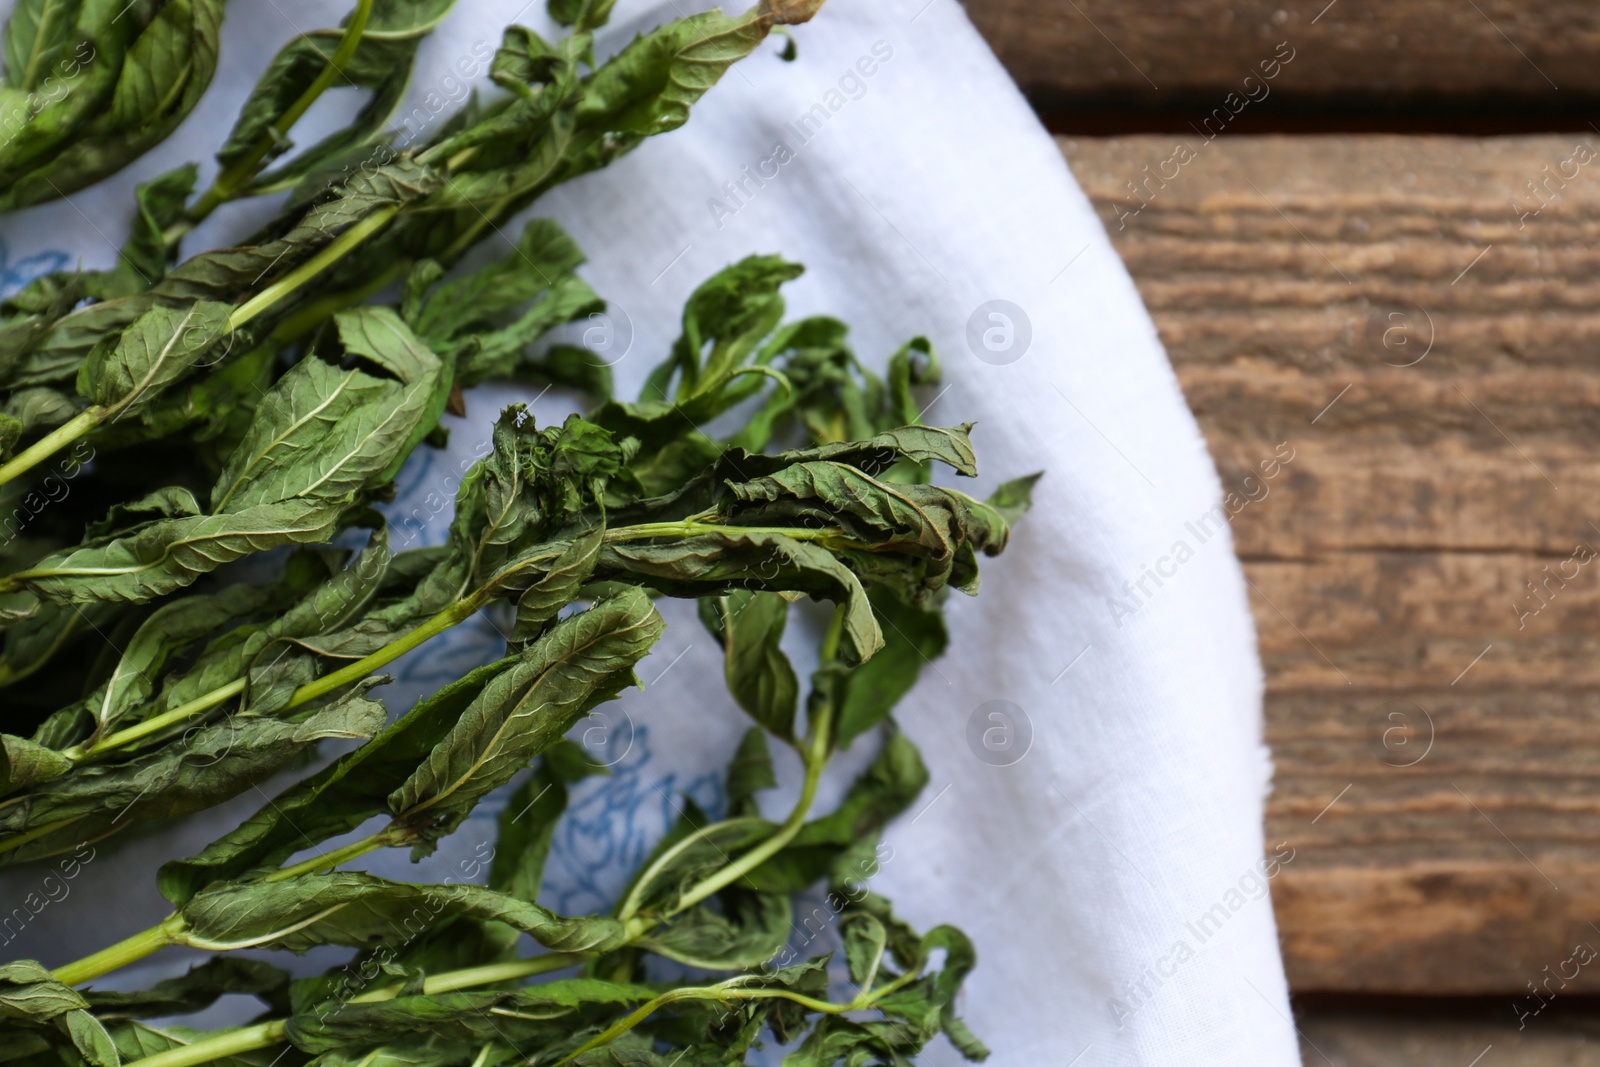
x=1418 y=316
x=1424 y=578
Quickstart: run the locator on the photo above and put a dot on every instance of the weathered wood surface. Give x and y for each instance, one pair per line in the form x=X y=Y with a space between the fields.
x=1400 y=1032
x=1446 y=709
x=1191 y=53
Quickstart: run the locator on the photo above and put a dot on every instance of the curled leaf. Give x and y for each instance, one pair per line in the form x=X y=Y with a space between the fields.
x=581 y=662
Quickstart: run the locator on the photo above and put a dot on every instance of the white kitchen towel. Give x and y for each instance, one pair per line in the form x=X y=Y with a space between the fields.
x=1094 y=734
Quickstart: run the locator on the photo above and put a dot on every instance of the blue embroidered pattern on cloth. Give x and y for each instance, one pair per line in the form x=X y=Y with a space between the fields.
x=612 y=822
x=14 y=276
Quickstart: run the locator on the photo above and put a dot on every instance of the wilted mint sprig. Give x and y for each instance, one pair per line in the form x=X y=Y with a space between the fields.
x=122 y=77
x=915 y=1003
x=428 y=205
x=914 y=537
x=550 y=513
x=577 y=512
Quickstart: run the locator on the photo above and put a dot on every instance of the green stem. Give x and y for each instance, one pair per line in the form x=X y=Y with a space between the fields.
x=692 y=528
x=816 y=757
x=441 y=622
x=453 y=615
x=722 y=992
x=892 y=987
x=122 y=953
x=265 y=1035
x=244 y=168
x=263 y=301
x=247 y=1039
x=37 y=832
x=157 y=722
x=302 y=274
x=389 y=835
x=815 y=760
x=314 y=313
x=51 y=443
x=486 y=974
x=630 y=906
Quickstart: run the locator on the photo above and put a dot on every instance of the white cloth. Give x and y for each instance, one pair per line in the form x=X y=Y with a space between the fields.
x=1111 y=874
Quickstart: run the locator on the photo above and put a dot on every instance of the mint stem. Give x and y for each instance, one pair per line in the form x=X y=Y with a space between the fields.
x=265 y=1035
x=228 y=183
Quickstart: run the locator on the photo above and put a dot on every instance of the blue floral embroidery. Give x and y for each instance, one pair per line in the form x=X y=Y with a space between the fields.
x=14 y=276
x=612 y=823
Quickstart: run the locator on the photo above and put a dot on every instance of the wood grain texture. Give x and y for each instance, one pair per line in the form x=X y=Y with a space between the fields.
x=1169 y=53
x=1424 y=571
x=1475 y=1032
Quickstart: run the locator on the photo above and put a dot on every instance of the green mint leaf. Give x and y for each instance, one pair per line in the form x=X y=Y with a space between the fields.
x=159 y=347
x=144 y=257
x=750 y=627
x=163 y=75
x=548 y=1011
x=865 y=942
x=749 y=930
x=583 y=661
x=169 y=630
x=236 y=271
x=336 y=800
x=211 y=764
x=360 y=910
x=915 y=364
x=27 y=763
x=1013 y=499
x=196 y=990
x=325 y=431
x=649 y=87
x=37 y=32
x=966 y=1042
x=912 y=636
x=89 y=1037
x=749 y=773
x=582 y=15
x=543 y=255
x=558 y=586
x=116 y=82
x=30 y=999
x=501 y=352
x=762 y=560
x=164 y=555
x=570 y=367
x=332 y=601
x=381 y=65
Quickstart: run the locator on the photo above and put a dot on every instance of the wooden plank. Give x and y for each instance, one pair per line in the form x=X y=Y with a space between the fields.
x=1425 y=569
x=1366 y=1032
x=1193 y=53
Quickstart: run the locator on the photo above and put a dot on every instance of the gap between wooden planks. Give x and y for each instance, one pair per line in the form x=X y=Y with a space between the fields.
x=1414 y=673
x=1373 y=53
